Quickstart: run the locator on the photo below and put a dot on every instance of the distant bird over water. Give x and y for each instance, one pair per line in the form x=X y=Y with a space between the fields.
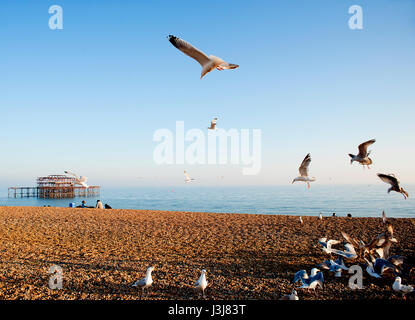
x=303 y=170
x=78 y=180
x=363 y=156
x=394 y=182
x=208 y=63
x=213 y=124
x=187 y=178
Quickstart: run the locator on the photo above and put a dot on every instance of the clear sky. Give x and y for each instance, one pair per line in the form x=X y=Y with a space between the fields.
x=89 y=98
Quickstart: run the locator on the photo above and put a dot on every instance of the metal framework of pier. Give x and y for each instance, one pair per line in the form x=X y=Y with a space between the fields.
x=54 y=187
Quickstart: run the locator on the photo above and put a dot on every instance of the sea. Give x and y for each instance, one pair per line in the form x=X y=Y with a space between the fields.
x=358 y=200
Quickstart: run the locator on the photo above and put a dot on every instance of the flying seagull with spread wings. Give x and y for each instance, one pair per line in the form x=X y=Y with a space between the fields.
x=363 y=156
x=213 y=124
x=208 y=63
x=303 y=169
x=79 y=180
x=394 y=182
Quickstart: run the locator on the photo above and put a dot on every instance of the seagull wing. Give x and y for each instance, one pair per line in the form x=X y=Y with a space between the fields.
x=389 y=179
x=350 y=240
x=189 y=50
x=363 y=148
x=303 y=169
x=72 y=174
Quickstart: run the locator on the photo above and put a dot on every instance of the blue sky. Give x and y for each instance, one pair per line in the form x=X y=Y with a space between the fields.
x=89 y=98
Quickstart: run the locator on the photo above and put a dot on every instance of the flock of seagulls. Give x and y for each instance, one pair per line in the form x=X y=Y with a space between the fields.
x=363 y=158
x=375 y=254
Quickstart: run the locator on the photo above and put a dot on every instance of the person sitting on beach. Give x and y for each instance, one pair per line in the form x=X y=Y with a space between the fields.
x=83 y=204
x=107 y=206
x=99 y=205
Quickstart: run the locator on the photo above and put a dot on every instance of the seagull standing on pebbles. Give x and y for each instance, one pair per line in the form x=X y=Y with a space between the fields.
x=292 y=296
x=201 y=283
x=146 y=281
x=394 y=182
x=383 y=216
x=398 y=287
x=301 y=220
x=303 y=170
x=208 y=63
x=363 y=156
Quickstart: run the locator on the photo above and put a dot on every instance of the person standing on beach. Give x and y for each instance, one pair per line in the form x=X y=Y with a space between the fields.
x=99 y=205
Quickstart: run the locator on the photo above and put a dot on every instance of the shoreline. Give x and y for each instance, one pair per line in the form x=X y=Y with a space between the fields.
x=247 y=256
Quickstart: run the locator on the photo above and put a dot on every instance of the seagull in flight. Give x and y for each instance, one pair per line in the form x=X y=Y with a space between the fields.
x=187 y=178
x=213 y=124
x=146 y=281
x=78 y=180
x=303 y=170
x=316 y=278
x=334 y=266
x=394 y=182
x=349 y=253
x=363 y=156
x=327 y=244
x=208 y=63
x=201 y=283
x=376 y=269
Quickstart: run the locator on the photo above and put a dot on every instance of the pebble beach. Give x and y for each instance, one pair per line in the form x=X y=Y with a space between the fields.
x=246 y=256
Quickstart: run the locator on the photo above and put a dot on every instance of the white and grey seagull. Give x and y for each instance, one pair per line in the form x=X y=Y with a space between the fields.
x=334 y=266
x=79 y=180
x=394 y=182
x=292 y=296
x=363 y=156
x=146 y=282
x=399 y=287
x=208 y=63
x=303 y=170
x=201 y=283
x=309 y=282
x=349 y=253
x=327 y=244
x=376 y=269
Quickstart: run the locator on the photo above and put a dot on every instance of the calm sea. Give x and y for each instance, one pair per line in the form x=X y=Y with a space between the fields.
x=360 y=201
